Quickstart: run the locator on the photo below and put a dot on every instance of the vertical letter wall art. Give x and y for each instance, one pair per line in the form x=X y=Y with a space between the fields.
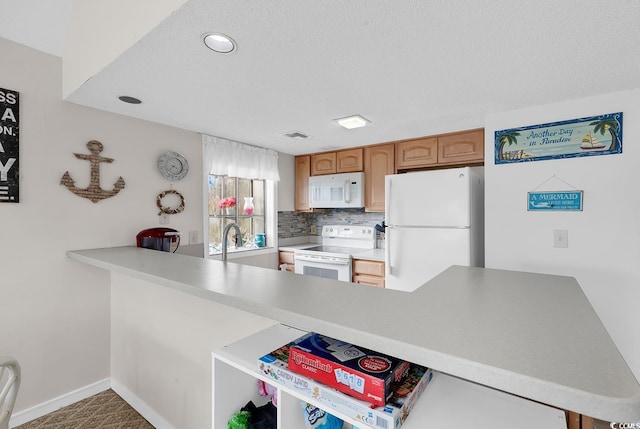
x=9 y=137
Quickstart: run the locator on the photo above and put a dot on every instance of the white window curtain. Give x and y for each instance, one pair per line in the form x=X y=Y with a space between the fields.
x=235 y=159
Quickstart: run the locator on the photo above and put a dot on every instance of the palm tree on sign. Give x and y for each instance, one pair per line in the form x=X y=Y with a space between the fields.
x=510 y=138
x=608 y=124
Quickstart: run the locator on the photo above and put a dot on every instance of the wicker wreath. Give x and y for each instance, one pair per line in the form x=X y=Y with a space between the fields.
x=168 y=210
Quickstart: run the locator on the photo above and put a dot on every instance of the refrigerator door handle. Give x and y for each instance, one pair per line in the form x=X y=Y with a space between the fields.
x=387 y=200
x=387 y=255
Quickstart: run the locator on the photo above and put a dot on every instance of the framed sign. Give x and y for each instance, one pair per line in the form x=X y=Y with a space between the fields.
x=9 y=136
x=555 y=201
x=595 y=135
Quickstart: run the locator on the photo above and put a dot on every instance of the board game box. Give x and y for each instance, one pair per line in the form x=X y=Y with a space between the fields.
x=274 y=366
x=354 y=370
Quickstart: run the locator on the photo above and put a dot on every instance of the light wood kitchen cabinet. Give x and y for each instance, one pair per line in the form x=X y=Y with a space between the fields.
x=440 y=151
x=286 y=257
x=368 y=272
x=342 y=161
x=459 y=148
x=349 y=161
x=378 y=162
x=302 y=173
x=323 y=163
x=578 y=421
x=454 y=149
x=416 y=153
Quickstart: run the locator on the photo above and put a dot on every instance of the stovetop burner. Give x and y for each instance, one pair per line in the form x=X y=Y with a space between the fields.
x=334 y=249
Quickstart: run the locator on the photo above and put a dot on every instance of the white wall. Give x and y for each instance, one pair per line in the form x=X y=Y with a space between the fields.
x=170 y=336
x=604 y=250
x=54 y=312
x=286 y=185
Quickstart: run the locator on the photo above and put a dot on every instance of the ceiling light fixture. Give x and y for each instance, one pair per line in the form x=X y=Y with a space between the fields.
x=130 y=100
x=219 y=43
x=353 y=121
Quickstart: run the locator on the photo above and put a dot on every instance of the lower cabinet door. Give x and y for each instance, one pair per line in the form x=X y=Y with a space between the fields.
x=364 y=279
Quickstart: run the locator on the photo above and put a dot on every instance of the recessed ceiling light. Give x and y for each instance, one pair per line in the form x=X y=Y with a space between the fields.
x=353 y=121
x=219 y=43
x=130 y=100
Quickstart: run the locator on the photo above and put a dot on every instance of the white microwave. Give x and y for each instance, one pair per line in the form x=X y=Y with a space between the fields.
x=336 y=191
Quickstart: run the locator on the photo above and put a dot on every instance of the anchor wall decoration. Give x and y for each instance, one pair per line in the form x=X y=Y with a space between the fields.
x=93 y=192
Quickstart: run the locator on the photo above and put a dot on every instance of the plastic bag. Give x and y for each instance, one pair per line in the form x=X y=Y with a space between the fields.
x=317 y=418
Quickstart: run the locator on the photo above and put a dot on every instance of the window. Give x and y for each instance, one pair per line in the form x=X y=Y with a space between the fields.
x=239 y=200
x=226 y=164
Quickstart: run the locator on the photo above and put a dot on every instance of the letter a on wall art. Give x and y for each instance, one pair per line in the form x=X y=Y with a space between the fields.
x=592 y=136
x=9 y=136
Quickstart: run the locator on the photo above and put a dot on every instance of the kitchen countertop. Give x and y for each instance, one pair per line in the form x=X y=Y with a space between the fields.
x=532 y=335
x=373 y=255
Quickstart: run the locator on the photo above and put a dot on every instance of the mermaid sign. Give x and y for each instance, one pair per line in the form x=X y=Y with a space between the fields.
x=595 y=135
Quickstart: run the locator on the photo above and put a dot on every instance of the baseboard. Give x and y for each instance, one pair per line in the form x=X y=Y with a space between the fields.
x=54 y=404
x=140 y=406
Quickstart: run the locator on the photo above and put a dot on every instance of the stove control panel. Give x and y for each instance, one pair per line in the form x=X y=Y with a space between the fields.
x=356 y=232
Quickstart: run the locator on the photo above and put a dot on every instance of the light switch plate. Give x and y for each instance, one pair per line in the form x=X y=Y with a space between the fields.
x=560 y=238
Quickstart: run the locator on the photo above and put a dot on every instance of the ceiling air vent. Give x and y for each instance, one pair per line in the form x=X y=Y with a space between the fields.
x=295 y=135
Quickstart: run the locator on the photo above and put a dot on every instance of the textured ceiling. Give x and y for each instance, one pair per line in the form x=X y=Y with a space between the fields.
x=412 y=67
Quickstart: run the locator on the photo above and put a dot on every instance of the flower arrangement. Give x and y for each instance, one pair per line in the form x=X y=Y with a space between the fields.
x=227 y=203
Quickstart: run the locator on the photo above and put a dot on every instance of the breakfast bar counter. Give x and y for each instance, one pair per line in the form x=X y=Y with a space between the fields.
x=532 y=335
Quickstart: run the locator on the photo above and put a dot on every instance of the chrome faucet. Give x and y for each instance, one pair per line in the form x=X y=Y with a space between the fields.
x=225 y=234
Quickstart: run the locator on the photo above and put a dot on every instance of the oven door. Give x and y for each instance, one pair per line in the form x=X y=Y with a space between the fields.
x=327 y=267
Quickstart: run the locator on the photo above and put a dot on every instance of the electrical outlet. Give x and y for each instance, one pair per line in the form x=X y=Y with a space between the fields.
x=164 y=219
x=193 y=237
x=313 y=230
x=560 y=238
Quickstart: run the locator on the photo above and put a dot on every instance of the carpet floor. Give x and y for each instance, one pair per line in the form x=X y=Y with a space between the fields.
x=106 y=410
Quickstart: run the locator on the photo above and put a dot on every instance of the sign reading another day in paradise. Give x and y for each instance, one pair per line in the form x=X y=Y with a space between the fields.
x=595 y=135
x=558 y=200
x=9 y=136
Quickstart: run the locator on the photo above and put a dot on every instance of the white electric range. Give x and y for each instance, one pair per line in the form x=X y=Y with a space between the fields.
x=332 y=259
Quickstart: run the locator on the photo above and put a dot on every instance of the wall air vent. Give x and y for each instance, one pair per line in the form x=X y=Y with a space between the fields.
x=295 y=135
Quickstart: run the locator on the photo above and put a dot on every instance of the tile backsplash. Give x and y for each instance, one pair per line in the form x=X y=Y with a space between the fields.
x=293 y=224
x=298 y=224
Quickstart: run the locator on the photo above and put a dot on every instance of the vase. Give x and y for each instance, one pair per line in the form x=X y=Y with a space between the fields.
x=248 y=205
x=228 y=211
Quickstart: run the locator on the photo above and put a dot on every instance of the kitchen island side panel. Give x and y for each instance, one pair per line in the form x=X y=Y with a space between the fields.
x=161 y=343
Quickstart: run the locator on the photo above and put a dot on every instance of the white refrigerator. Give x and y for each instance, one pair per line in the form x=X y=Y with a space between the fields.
x=434 y=219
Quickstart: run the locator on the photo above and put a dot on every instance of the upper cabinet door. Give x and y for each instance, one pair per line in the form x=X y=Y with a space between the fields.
x=349 y=161
x=302 y=172
x=461 y=148
x=378 y=162
x=323 y=163
x=416 y=153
